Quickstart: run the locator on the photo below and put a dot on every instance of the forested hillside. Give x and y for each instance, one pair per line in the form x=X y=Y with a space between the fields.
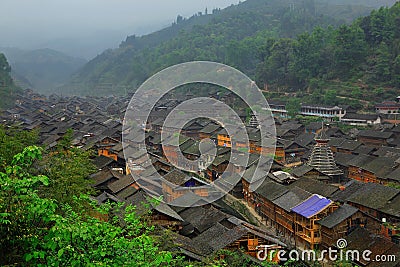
x=238 y=36
x=360 y=61
x=8 y=90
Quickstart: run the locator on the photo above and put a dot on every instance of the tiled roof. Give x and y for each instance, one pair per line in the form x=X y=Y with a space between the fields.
x=338 y=216
x=291 y=198
x=374 y=196
x=315 y=187
x=122 y=183
x=375 y=134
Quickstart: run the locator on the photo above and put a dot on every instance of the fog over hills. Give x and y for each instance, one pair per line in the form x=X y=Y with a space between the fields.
x=86 y=28
x=41 y=69
x=52 y=40
x=211 y=35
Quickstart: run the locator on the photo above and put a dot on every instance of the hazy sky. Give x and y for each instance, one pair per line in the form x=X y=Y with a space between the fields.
x=27 y=22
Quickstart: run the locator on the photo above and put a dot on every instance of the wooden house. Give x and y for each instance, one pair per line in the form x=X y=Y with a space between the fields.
x=308 y=172
x=104 y=147
x=307 y=214
x=192 y=129
x=348 y=146
x=102 y=179
x=176 y=184
x=172 y=152
x=363 y=240
x=339 y=224
x=293 y=152
x=342 y=161
x=314 y=127
x=261 y=199
x=295 y=128
x=223 y=138
x=284 y=217
x=370 y=169
x=374 y=138
x=379 y=206
x=209 y=230
x=160 y=214
x=209 y=130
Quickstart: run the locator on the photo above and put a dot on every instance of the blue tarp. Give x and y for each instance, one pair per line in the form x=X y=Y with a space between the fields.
x=311 y=206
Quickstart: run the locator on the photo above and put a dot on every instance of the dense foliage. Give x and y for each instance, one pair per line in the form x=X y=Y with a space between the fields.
x=13 y=141
x=32 y=230
x=46 y=218
x=363 y=57
x=8 y=90
x=238 y=36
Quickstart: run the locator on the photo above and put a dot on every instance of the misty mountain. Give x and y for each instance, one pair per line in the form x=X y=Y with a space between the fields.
x=87 y=46
x=41 y=69
x=207 y=36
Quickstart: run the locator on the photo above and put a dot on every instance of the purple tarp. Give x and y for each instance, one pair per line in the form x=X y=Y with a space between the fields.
x=311 y=206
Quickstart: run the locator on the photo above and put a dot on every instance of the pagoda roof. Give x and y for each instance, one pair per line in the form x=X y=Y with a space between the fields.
x=322 y=157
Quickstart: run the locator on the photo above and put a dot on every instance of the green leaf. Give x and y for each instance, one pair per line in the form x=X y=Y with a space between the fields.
x=28 y=257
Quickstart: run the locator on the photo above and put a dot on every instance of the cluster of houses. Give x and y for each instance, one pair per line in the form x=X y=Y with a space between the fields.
x=320 y=184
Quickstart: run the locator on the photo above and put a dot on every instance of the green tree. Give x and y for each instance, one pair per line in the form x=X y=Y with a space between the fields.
x=350 y=49
x=330 y=97
x=12 y=141
x=277 y=64
x=309 y=61
x=8 y=90
x=69 y=168
x=293 y=107
x=23 y=214
x=396 y=71
x=32 y=231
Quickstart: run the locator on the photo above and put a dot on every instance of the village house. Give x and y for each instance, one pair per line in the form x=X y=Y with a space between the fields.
x=381 y=211
x=363 y=240
x=374 y=138
x=356 y=119
x=176 y=183
x=340 y=224
x=371 y=169
x=209 y=130
x=387 y=107
x=208 y=230
x=307 y=214
x=327 y=112
x=104 y=147
x=278 y=109
x=307 y=171
x=343 y=145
